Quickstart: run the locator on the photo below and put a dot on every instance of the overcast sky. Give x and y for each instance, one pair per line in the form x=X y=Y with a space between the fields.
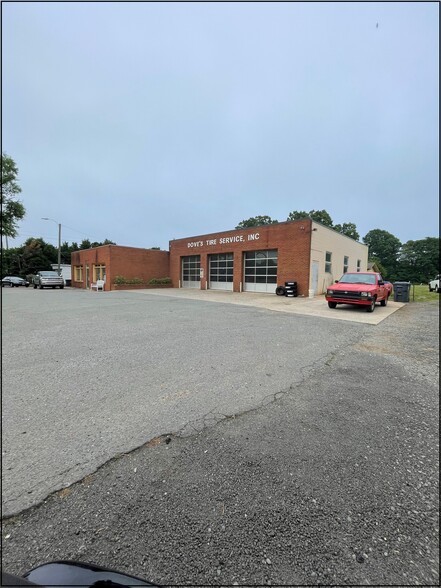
x=142 y=122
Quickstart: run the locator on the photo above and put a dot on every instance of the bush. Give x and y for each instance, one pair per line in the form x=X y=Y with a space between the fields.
x=122 y=280
x=160 y=281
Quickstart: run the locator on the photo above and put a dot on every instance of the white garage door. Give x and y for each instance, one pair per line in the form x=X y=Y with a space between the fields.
x=191 y=271
x=221 y=271
x=260 y=271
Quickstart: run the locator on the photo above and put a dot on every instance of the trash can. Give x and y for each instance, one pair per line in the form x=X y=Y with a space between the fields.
x=401 y=291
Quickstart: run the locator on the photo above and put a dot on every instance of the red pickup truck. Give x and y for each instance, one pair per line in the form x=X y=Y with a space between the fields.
x=361 y=288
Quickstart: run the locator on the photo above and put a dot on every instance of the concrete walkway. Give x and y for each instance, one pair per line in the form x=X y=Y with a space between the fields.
x=316 y=306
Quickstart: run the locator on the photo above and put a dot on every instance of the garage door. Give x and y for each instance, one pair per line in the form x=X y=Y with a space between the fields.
x=191 y=271
x=260 y=271
x=221 y=271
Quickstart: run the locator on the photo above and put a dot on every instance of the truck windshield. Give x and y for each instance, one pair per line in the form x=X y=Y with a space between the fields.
x=357 y=279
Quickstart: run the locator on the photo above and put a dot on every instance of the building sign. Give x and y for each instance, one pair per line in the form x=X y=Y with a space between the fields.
x=224 y=240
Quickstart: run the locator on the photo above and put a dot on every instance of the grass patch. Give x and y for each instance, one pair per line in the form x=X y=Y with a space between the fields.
x=420 y=293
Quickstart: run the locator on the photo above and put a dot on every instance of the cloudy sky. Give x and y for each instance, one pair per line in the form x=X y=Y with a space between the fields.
x=142 y=122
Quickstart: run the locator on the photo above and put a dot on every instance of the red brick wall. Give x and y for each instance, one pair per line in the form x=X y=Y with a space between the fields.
x=129 y=262
x=291 y=239
x=145 y=264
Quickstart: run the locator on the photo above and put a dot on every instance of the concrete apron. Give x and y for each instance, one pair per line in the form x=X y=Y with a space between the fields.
x=316 y=306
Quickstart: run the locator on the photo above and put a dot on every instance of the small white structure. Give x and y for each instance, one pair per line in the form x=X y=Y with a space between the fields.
x=66 y=272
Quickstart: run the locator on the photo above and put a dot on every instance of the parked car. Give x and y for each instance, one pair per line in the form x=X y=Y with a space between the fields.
x=361 y=288
x=434 y=284
x=14 y=281
x=48 y=279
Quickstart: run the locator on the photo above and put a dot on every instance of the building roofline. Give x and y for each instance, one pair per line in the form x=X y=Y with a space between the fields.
x=122 y=246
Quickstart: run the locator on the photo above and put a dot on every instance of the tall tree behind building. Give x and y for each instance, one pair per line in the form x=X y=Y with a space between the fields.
x=386 y=248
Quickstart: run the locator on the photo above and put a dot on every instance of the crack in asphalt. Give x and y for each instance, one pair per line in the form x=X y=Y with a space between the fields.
x=196 y=427
x=29 y=491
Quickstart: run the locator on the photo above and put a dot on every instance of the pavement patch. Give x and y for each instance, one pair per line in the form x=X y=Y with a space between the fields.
x=317 y=306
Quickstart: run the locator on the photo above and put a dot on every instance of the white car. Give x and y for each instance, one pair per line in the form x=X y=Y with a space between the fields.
x=434 y=284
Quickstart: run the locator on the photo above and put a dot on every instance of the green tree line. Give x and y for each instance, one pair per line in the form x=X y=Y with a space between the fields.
x=36 y=255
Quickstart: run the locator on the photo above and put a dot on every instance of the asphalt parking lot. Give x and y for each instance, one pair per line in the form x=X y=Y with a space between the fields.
x=273 y=447
x=116 y=369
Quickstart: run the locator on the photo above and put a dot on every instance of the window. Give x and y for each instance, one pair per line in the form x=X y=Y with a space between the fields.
x=345 y=264
x=99 y=272
x=358 y=265
x=328 y=262
x=78 y=273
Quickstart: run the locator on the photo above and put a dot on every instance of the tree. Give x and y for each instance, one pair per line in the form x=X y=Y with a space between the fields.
x=348 y=229
x=419 y=260
x=85 y=244
x=33 y=256
x=12 y=210
x=297 y=215
x=384 y=247
x=256 y=221
x=38 y=255
x=320 y=216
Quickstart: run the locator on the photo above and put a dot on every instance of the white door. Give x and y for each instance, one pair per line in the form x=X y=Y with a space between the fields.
x=314 y=277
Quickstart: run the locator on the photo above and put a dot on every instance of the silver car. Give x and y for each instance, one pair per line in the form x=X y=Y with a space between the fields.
x=48 y=279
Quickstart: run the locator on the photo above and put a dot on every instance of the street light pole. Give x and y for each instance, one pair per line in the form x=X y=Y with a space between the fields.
x=59 y=241
x=59 y=249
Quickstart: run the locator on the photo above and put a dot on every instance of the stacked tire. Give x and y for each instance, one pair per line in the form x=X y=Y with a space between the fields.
x=291 y=289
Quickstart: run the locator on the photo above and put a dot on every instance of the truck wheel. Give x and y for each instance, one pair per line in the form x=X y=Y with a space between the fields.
x=384 y=302
x=61 y=287
x=430 y=289
x=332 y=304
x=371 y=306
x=35 y=286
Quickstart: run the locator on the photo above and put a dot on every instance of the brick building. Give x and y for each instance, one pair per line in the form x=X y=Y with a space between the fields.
x=247 y=260
x=109 y=261
x=260 y=258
